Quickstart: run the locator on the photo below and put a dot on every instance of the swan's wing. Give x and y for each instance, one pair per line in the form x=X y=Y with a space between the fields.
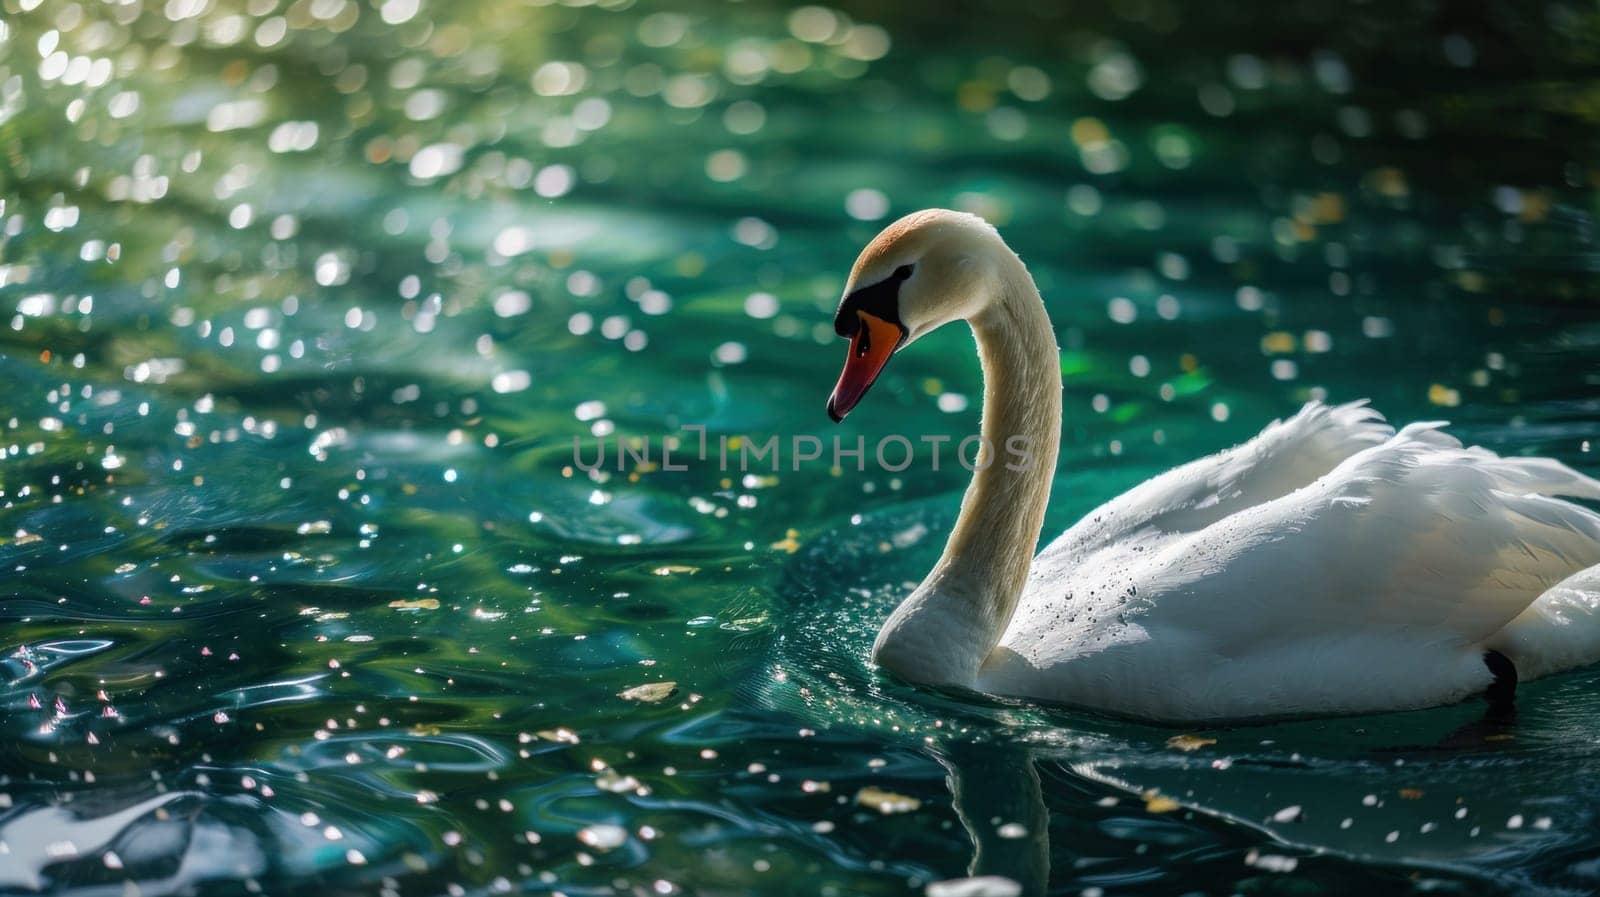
x=1283 y=457
x=1416 y=536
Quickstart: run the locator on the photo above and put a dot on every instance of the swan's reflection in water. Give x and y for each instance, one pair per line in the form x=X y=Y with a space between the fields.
x=997 y=795
x=1481 y=803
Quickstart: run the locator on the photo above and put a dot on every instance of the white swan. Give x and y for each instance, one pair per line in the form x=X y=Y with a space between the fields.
x=1329 y=565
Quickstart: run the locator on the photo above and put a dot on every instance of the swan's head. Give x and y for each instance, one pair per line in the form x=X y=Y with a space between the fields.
x=922 y=272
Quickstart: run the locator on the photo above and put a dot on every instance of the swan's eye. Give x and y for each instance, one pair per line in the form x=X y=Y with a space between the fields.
x=903 y=272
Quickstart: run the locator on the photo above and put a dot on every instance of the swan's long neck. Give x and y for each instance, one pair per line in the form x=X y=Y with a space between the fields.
x=944 y=630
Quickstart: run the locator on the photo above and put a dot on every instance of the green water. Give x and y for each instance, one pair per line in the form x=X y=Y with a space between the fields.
x=302 y=305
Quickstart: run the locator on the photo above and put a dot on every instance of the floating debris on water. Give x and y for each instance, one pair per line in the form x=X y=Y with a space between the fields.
x=886 y=802
x=650 y=692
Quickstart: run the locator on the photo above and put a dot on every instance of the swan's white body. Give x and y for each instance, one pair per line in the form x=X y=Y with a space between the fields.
x=1329 y=565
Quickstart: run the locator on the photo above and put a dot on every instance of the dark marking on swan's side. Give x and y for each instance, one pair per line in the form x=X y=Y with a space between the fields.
x=1502 y=692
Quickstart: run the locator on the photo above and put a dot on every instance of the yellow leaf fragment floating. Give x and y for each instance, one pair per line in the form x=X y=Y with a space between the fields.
x=650 y=692
x=1189 y=742
x=26 y=538
x=674 y=568
x=789 y=542
x=1388 y=182
x=886 y=802
x=1277 y=343
x=1156 y=802
x=418 y=604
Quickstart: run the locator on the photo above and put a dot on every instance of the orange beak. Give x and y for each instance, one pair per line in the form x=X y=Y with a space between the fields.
x=874 y=341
